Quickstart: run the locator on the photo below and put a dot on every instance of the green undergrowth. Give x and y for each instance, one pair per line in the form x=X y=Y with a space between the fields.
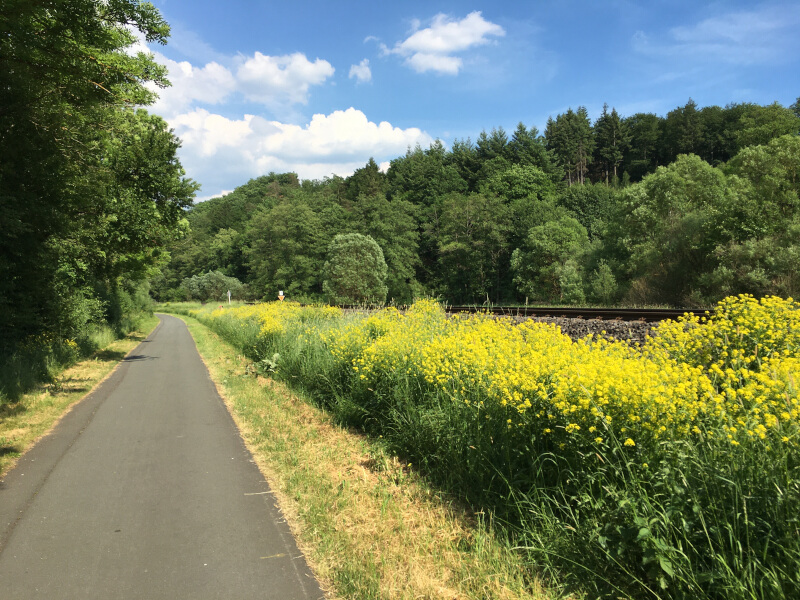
x=668 y=472
x=369 y=525
x=41 y=358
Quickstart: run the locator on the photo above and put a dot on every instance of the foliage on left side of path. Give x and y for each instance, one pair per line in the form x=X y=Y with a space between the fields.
x=91 y=188
x=40 y=358
x=28 y=416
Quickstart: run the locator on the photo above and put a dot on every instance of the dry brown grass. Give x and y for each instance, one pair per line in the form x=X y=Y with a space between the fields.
x=369 y=526
x=23 y=422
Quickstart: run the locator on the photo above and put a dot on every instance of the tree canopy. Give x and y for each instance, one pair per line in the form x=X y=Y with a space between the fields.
x=355 y=271
x=681 y=209
x=91 y=189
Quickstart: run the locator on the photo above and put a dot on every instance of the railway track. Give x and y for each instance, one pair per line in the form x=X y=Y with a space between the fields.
x=649 y=315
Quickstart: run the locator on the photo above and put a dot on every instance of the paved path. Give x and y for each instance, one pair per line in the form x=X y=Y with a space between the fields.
x=146 y=490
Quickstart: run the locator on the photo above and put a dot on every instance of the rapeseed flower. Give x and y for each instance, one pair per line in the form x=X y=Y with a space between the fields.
x=732 y=371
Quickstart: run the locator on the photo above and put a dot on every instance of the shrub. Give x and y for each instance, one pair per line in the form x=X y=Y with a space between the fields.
x=668 y=471
x=210 y=286
x=355 y=271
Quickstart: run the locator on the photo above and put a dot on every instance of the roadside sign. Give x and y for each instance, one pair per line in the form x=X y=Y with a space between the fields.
x=280 y=296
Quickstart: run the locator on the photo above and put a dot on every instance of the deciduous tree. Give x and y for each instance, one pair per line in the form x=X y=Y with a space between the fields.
x=355 y=271
x=547 y=266
x=89 y=189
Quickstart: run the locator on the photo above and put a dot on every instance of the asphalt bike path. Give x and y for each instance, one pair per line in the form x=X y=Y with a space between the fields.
x=146 y=490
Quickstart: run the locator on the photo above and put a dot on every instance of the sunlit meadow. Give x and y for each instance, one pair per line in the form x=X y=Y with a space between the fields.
x=663 y=471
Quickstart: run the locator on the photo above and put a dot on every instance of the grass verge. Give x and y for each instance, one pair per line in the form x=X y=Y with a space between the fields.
x=368 y=525
x=26 y=418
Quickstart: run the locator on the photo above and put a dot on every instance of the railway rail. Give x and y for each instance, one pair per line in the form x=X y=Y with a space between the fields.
x=649 y=315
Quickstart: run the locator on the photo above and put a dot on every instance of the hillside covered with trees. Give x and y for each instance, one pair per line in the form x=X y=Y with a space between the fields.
x=683 y=210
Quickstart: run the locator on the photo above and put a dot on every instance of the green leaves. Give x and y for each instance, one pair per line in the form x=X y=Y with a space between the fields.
x=473 y=246
x=457 y=221
x=612 y=139
x=212 y=286
x=355 y=271
x=546 y=266
x=571 y=140
x=94 y=189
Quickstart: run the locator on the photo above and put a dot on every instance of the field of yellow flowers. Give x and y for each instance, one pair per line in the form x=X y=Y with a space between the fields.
x=663 y=471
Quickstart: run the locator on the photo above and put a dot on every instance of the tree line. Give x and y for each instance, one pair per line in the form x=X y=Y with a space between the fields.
x=679 y=210
x=91 y=189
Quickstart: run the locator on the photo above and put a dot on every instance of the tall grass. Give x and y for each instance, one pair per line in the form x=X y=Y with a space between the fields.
x=40 y=358
x=669 y=471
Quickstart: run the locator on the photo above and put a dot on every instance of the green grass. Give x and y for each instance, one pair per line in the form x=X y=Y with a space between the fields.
x=369 y=525
x=31 y=413
x=706 y=519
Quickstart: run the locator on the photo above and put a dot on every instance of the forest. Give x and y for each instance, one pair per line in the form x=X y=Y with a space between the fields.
x=679 y=210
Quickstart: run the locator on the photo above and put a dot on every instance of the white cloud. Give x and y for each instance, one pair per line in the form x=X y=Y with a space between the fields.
x=344 y=134
x=361 y=72
x=219 y=194
x=281 y=79
x=207 y=133
x=422 y=62
x=760 y=36
x=445 y=36
x=224 y=150
x=432 y=48
x=276 y=82
x=338 y=143
x=210 y=84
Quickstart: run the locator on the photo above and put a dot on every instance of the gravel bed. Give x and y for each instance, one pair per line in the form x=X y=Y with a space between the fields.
x=633 y=332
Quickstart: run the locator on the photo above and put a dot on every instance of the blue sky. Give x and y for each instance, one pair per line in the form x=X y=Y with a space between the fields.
x=319 y=87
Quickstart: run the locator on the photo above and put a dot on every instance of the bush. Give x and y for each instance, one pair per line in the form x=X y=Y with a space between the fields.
x=211 y=286
x=668 y=471
x=95 y=319
x=603 y=284
x=355 y=272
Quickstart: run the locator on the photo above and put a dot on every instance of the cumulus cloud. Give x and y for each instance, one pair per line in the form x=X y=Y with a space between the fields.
x=275 y=82
x=224 y=150
x=433 y=48
x=337 y=143
x=281 y=79
x=361 y=72
x=207 y=134
x=344 y=134
x=422 y=62
x=210 y=84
